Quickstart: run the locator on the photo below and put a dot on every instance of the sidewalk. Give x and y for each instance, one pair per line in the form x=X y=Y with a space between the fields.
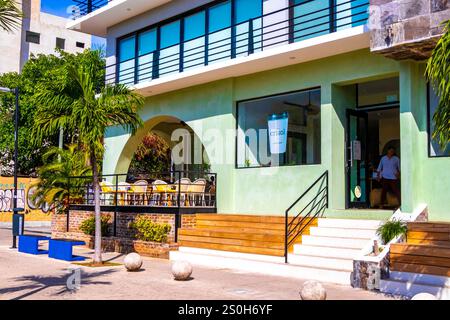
x=30 y=277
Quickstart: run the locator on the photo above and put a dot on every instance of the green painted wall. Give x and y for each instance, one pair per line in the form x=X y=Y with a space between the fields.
x=272 y=190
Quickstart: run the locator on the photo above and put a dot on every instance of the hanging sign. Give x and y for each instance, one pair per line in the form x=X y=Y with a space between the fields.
x=278 y=130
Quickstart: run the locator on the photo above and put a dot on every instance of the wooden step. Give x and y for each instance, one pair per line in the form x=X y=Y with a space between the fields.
x=429 y=226
x=240 y=224
x=233 y=248
x=429 y=235
x=235 y=242
x=437 y=243
x=232 y=235
x=420 y=260
x=244 y=218
x=238 y=230
x=415 y=268
x=422 y=250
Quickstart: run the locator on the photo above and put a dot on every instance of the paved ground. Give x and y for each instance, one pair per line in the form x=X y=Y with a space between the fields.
x=29 y=277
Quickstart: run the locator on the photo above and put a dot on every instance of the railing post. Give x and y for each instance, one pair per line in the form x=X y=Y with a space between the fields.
x=327 y=187
x=68 y=205
x=116 y=195
x=286 y=237
x=177 y=214
x=251 y=44
x=89 y=6
x=332 y=16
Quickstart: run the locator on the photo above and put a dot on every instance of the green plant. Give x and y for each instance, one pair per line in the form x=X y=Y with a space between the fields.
x=53 y=186
x=83 y=109
x=147 y=230
x=10 y=15
x=88 y=226
x=437 y=73
x=392 y=229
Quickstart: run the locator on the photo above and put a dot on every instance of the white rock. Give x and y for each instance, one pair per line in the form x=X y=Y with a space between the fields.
x=133 y=262
x=313 y=290
x=181 y=270
x=424 y=296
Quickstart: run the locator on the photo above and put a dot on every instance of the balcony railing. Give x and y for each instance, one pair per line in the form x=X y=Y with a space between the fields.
x=282 y=27
x=87 y=6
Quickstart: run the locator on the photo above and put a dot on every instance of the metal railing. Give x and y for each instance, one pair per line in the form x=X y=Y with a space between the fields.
x=172 y=192
x=296 y=225
x=267 y=31
x=87 y=6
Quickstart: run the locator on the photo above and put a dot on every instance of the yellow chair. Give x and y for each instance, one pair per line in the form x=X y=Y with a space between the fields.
x=197 y=191
x=107 y=193
x=138 y=191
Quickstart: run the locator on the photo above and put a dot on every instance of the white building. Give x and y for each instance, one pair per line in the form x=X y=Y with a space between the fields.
x=40 y=33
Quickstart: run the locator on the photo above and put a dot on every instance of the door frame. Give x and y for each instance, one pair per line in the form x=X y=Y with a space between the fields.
x=348 y=203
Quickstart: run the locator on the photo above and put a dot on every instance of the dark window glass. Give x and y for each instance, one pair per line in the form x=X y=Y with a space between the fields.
x=280 y=130
x=170 y=34
x=32 y=37
x=379 y=92
x=60 y=43
x=147 y=42
x=127 y=48
x=247 y=9
x=220 y=16
x=80 y=44
x=435 y=148
x=194 y=26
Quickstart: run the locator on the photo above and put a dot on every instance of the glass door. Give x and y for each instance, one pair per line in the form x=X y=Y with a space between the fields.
x=356 y=155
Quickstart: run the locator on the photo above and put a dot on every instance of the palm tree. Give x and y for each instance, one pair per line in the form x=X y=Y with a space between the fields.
x=10 y=15
x=438 y=74
x=80 y=109
x=52 y=188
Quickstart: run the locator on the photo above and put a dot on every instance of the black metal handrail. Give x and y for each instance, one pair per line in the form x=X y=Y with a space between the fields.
x=296 y=225
x=87 y=6
x=258 y=37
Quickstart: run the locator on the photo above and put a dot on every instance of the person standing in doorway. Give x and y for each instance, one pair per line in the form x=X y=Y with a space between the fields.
x=389 y=175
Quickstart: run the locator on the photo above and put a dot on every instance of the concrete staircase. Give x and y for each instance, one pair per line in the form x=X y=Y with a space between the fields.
x=325 y=253
x=333 y=244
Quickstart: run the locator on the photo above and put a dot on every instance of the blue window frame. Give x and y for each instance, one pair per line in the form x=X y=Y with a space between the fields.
x=127 y=48
x=170 y=34
x=147 y=42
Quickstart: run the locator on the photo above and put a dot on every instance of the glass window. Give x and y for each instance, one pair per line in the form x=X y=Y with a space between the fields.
x=435 y=149
x=311 y=19
x=194 y=26
x=170 y=34
x=220 y=16
x=247 y=9
x=379 y=92
x=60 y=43
x=147 y=42
x=127 y=48
x=127 y=52
x=33 y=37
x=280 y=130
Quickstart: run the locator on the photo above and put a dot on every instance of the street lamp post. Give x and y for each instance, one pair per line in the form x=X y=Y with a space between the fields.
x=18 y=219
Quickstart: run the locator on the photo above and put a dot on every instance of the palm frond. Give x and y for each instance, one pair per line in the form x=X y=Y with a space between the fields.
x=10 y=15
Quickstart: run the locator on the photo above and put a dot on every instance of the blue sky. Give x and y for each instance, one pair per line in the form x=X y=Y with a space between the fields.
x=61 y=8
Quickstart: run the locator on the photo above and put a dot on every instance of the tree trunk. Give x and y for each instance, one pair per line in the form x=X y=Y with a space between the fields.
x=98 y=216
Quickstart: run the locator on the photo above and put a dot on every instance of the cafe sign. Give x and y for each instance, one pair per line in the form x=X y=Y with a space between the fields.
x=278 y=130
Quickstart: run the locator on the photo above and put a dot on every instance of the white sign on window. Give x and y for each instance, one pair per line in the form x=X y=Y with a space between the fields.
x=356 y=149
x=278 y=130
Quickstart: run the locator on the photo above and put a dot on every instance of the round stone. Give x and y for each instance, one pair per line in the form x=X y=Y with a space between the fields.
x=313 y=290
x=133 y=262
x=181 y=270
x=424 y=296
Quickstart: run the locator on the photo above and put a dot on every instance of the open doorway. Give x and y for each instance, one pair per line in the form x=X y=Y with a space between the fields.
x=373 y=130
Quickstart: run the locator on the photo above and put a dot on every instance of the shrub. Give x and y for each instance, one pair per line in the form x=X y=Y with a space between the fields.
x=88 y=226
x=392 y=229
x=147 y=230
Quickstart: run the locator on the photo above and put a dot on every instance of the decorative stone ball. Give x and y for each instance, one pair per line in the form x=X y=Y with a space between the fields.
x=313 y=290
x=133 y=262
x=424 y=296
x=181 y=270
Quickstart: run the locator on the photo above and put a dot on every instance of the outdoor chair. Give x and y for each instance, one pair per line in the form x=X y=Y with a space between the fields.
x=159 y=194
x=196 y=192
x=183 y=184
x=139 y=192
x=107 y=195
x=122 y=193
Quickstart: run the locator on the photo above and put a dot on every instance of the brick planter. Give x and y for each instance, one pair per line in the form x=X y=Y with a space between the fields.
x=124 y=241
